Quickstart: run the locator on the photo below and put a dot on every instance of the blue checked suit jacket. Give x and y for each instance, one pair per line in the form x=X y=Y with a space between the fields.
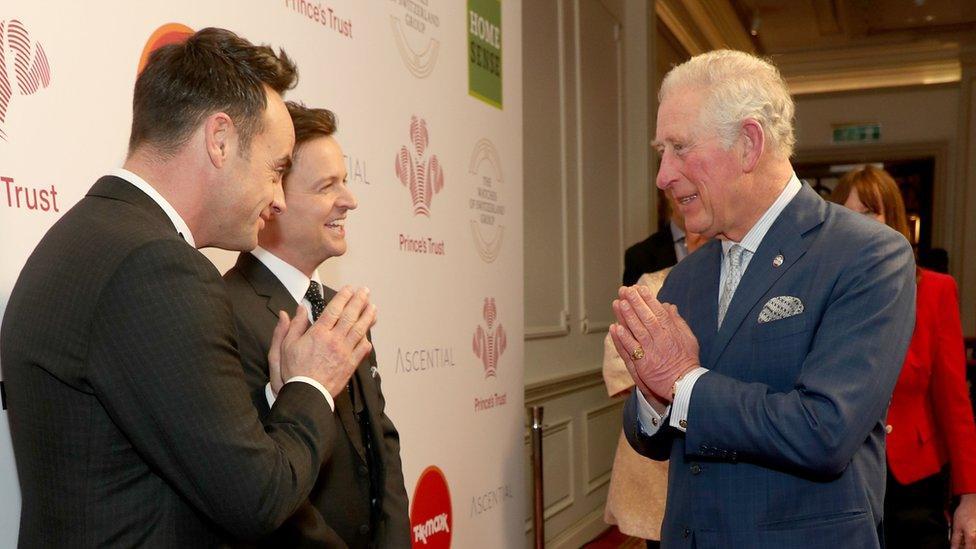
x=785 y=439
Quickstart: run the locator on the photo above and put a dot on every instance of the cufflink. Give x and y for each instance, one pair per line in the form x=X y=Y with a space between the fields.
x=654 y=421
x=683 y=423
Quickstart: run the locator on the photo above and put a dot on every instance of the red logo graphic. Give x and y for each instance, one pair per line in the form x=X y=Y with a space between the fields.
x=30 y=73
x=489 y=344
x=423 y=178
x=430 y=511
x=170 y=33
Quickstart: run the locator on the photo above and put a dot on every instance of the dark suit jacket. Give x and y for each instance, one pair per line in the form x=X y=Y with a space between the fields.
x=131 y=421
x=786 y=433
x=339 y=512
x=652 y=254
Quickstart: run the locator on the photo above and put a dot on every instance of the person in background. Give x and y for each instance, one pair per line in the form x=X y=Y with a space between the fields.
x=638 y=485
x=359 y=499
x=930 y=421
x=660 y=250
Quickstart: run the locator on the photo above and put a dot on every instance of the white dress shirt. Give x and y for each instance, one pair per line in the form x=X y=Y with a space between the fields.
x=296 y=283
x=650 y=420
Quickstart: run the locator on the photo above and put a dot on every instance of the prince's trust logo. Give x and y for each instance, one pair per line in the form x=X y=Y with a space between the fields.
x=488 y=344
x=419 y=172
x=415 y=26
x=21 y=73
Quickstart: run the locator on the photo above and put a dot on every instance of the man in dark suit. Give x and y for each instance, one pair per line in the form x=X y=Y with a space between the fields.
x=659 y=251
x=767 y=378
x=131 y=420
x=359 y=499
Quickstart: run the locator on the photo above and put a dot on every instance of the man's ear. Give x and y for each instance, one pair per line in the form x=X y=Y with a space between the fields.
x=220 y=136
x=753 y=141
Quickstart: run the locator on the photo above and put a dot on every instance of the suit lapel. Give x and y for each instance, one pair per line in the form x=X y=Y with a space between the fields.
x=266 y=284
x=785 y=238
x=344 y=406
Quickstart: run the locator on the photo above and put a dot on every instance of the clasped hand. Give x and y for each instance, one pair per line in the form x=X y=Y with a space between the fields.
x=330 y=349
x=655 y=343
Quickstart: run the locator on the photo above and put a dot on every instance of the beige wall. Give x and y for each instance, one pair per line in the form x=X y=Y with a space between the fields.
x=587 y=69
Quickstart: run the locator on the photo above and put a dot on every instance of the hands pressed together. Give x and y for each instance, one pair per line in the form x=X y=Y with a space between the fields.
x=655 y=343
x=330 y=349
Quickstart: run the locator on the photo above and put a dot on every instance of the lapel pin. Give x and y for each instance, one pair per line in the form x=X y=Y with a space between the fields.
x=777 y=261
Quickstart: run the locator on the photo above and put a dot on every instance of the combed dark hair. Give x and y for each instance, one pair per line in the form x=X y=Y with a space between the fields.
x=213 y=71
x=310 y=123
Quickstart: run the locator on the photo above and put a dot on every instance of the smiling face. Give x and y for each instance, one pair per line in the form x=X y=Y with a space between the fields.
x=252 y=191
x=313 y=228
x=703 y=178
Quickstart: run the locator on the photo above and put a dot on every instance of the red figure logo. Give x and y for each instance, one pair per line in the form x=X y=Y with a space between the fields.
x=424 y=179
x=30 y=73
x=431 y=518
x=490 y=344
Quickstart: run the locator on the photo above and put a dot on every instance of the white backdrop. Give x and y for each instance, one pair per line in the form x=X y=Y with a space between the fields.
x=447 y=281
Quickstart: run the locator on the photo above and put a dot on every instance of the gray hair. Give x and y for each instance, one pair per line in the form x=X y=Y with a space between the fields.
x=738 y=86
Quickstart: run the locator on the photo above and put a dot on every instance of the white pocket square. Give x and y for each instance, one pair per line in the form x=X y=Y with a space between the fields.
x=780 y=307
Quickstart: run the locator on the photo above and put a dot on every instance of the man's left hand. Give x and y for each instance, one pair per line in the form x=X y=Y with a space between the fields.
x=964 y=522
x=669 y=348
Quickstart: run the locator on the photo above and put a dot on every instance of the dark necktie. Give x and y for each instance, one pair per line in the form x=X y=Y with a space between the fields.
x=314 y=296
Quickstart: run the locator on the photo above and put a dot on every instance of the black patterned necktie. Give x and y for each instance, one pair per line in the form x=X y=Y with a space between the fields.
x=314 y=296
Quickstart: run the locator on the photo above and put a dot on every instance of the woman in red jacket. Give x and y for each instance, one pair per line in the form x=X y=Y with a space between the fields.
x=930 y=420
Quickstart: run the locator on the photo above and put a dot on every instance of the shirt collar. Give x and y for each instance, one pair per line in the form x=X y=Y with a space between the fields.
x=755 y=236
x=293 y=280
x=168 y=209
x=677 y=234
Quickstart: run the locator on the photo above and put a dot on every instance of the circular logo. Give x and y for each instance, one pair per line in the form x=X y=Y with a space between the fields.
x=430 y=511
x=170 y=33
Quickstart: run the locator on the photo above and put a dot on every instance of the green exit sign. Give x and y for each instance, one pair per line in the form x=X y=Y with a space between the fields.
x=857 y=133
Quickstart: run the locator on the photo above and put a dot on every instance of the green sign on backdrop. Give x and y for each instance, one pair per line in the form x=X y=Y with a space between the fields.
x=485 y=51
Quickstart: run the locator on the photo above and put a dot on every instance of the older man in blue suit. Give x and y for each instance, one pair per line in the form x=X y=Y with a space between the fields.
x=766 y=368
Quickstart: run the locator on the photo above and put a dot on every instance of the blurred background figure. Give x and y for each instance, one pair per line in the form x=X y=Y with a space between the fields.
x=931 y=443
x=662 y=249
x=639 y=485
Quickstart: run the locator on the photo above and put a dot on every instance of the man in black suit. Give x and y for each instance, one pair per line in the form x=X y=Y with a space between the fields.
x=662 y=249
x=359 y=499
x=131 y=421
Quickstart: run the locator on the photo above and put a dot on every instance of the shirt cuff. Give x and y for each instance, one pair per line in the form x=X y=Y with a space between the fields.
x=650 y=421
x=682 y=398
x=268 y=394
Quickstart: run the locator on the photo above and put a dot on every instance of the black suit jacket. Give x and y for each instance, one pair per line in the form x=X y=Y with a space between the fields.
x=338 y=513
x=130 y=418
x=652 y=254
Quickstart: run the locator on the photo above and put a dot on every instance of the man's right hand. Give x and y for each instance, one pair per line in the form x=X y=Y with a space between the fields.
x=330 y=350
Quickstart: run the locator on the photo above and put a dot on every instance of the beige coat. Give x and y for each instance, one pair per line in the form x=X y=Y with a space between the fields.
x=638 y=485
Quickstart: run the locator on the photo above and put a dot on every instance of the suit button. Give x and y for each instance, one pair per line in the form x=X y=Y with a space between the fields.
x=695 y=469
x=364 y=529
x=888 y=429
x=686 y=533
x=362 y=470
